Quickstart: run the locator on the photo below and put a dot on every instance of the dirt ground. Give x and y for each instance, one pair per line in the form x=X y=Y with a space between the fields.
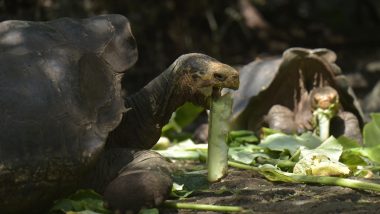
x=253 y=192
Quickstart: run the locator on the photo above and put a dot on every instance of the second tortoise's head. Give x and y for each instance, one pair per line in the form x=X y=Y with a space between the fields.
x=324 y=98
x=199 y=75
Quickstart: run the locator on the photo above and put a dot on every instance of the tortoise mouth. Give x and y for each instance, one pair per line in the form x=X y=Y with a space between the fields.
x=215 y=93
x=216 y=90
x=232 y=82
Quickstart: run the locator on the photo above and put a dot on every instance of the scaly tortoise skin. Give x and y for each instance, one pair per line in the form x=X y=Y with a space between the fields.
x=280 y=92
x=67 y=123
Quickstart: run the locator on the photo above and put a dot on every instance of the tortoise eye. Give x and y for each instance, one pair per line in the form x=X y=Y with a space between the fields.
x=220 y=77
x=195 y=76
x=314 y=102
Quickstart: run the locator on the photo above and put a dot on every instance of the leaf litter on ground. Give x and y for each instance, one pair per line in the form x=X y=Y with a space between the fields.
x=306 y=154
x=274 y=156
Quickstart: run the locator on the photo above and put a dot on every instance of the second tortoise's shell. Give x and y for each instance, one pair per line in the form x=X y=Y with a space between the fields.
x=264 y=83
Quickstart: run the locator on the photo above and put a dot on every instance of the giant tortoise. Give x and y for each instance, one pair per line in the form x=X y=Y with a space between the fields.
x=67 y=123
x=281 y=92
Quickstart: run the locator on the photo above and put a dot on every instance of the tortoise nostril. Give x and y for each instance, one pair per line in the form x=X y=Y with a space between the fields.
x=219 y=76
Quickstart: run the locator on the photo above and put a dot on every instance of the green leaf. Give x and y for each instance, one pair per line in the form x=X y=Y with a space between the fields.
x=372 y=153
x=184 y=115
x=179 y=192
x=82 y=201
x=62 y=205
x=187 y=113
x=347 y=143
x=236 y=138
x=371 y=131
x=281 y=142
x=329 y=148
x=184 y=150
x=351 y=155
x=309 y=140
x=179 y=154
x=245 y=156
x=149 y=211
x=371 y=136
x=265 y=132
x=242 y=156
x=353 y=158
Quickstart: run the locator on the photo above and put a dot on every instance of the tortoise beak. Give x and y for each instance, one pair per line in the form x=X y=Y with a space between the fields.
x=232 y=82
x=226 y=77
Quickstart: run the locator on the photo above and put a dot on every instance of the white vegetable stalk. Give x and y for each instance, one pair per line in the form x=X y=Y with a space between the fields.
x=217 y=158
x=323 y=117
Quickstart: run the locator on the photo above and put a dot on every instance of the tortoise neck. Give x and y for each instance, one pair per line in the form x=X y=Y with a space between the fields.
x=158 y=100
x=148 y=111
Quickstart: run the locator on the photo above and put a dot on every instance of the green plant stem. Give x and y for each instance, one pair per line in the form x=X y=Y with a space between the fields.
x=285 y=163
x=324 y=126
x=326 y=180
x=242 y=166
x=204 y=207
x=344 y=182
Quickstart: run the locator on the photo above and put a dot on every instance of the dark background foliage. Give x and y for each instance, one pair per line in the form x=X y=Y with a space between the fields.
x=235 y=32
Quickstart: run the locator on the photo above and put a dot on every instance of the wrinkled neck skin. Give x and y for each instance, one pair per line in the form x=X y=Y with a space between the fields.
x=148 y=111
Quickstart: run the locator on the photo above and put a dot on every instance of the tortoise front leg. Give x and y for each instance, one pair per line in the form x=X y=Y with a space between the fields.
x=143 y=183
x=132 y=179
x=346 y=124
x=281 y=118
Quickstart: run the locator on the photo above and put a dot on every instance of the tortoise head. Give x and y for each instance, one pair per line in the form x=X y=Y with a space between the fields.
x=324 y=97
x=199 y=74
